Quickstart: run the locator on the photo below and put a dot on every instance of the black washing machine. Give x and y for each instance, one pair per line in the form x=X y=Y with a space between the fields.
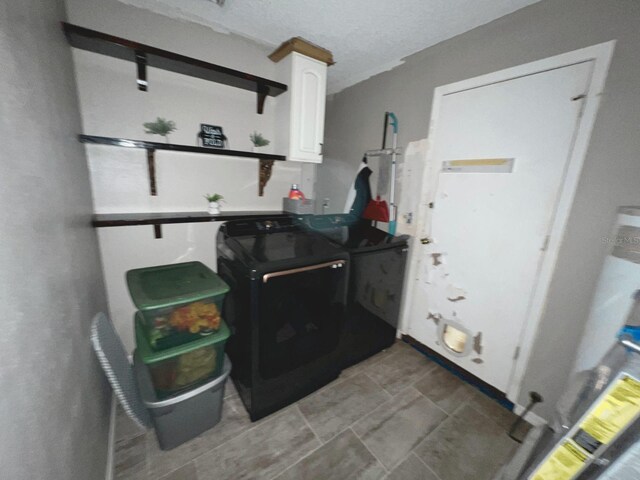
x=285 y=309
x=378 y=263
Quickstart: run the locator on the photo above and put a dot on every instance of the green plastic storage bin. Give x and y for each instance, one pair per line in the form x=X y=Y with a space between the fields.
x=179 y=303
x=185 y=366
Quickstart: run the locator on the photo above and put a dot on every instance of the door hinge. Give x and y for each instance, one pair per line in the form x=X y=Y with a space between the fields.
x=582 y=96
x=517 y=353
x=408 y=218
x=545 y=244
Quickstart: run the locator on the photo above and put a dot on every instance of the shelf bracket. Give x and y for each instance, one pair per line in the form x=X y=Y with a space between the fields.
x=264 y=175
x=157 y=230
x=141 y=61
x=262 y=91
x=151 y=164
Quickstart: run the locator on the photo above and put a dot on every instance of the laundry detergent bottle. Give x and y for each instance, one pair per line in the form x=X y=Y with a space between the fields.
x=295 y=193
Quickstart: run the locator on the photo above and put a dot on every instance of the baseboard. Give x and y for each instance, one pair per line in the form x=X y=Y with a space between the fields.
x=460 y=372
x=111 y=445
x=497 y=395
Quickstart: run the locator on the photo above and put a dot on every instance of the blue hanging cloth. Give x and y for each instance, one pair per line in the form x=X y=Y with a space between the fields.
x=360 y=193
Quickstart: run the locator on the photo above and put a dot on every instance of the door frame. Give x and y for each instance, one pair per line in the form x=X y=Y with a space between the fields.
x=600 y=55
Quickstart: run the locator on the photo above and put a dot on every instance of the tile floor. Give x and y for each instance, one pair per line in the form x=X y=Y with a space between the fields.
x=395 y=416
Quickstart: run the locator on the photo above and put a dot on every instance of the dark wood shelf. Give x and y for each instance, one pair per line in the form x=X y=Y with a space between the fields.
x=128 y=143
x=264 y=172
x=163 y=218
x=145 y=55
x=159 y=218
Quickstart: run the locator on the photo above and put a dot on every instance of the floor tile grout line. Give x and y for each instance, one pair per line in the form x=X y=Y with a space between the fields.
x=471 y=404
x=255 y=425
x=428 y=372
x=403 y=460
x=425 y=464
x=147 y=452
x=197 y=457
x=311 y=452
x=306 y=421
x=165 y=475
x=432 y=432
x=450 y=417
x=357 y=419
x=296 y=405
x=404 y=389
x=367 y=415
x=342 y=431
x=370 y=451
x=486 y=416
x=431 y=368
x=332 y=384
x=127 y=441
x=371 y=364
x=242 y=432
x=200 y=455
x=421 y=395
x=378 y=384
x=393 y=397
x=461 y=406
x=447 y=414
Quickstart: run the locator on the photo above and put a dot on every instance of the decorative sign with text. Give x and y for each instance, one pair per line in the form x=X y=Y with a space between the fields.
x=211 y=136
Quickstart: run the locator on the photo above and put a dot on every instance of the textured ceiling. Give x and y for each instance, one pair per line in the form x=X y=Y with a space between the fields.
x=366 y=36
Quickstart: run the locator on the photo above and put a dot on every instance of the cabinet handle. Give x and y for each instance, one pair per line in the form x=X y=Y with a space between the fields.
x=321 y=148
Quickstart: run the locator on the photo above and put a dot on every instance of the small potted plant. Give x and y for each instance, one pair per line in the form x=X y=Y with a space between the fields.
x=214 y=203
x=160 y=127
x=259 y=142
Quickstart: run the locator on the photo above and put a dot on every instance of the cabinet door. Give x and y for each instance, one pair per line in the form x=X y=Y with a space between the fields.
x=307 y=109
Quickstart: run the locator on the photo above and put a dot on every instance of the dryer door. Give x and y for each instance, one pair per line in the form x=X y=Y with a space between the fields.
x=300 y=315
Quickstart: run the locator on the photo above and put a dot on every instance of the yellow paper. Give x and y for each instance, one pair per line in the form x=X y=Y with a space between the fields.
x=480 y=161
x=565 y=462
x=615 y=411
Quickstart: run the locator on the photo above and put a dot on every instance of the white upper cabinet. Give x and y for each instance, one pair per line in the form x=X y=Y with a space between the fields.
x=300 y=111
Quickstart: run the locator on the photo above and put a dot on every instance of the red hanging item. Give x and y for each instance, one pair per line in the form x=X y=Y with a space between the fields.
x=377 y=210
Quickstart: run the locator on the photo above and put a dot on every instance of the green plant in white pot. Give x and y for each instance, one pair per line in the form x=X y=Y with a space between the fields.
x=260 y=144
x=214 y=203
x=160 y=127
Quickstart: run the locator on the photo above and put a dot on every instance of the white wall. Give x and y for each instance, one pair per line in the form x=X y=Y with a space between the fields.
x=611 y=172
x=55 y=399
x=111 y=105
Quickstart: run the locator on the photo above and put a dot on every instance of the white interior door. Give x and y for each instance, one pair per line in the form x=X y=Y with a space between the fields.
x=498 y=161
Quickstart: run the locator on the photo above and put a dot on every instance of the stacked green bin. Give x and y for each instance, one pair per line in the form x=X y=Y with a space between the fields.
x=180 y=334
x=184 y=366
x=178 y=303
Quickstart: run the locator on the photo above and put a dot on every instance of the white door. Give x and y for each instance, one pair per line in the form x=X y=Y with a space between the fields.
x=498 y=159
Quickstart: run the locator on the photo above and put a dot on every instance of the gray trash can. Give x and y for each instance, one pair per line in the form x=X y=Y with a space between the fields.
x=176 y=419
x=184 y=416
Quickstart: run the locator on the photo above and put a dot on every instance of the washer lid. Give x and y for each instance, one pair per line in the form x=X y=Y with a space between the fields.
x=352 y=233
x=288 y=245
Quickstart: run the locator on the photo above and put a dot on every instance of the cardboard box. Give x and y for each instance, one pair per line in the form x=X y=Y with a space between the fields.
x=304 y=207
